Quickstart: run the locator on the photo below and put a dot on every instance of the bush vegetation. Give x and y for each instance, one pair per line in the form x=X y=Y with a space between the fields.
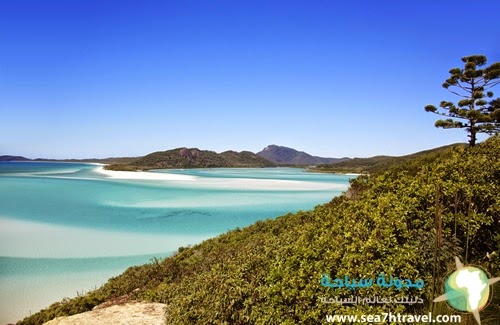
x=379 y=164
x=193 y=158
x=390 y=222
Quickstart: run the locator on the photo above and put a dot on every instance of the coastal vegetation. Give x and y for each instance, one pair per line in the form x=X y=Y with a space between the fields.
x=291 y=157
x=193 y=158
x=408 y=221
x=378 y=164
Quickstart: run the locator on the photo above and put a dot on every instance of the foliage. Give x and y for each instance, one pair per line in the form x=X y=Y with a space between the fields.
x=269 y=273
x=473 y=111
x=379 y=164
x=285 y=156
x=193 y=158
x=123 y=167
x=13 y=158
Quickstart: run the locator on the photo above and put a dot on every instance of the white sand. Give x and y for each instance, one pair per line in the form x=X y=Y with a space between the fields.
x=226 y=183
x=23 y=294
x=32 y=239
x=143 y=175
x=269 y=184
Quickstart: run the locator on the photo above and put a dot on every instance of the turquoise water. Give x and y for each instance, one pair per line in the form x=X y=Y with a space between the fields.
x=58 y=220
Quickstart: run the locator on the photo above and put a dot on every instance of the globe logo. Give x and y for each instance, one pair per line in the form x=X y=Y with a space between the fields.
x=467 y=289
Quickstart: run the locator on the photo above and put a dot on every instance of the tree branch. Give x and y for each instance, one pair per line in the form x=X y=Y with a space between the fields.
x=466 y=89
x=492 y=85
x=448 y=115
x=458 y=94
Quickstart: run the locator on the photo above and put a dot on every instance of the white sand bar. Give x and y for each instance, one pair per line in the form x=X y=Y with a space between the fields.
x=227 y=183
x=33 y=239
x=143 y=175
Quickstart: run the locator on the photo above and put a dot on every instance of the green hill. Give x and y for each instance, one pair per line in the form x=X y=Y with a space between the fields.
x=13 y=158
x=194 y=158
x=291 y=157
x=269 y=273
x=380 y=163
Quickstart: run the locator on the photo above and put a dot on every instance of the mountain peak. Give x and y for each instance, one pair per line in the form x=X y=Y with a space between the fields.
x=290 y=156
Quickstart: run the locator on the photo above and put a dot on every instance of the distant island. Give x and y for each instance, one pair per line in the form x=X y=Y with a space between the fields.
x=194 y=158
x=270 y=156
x=13 y=158
x=111 y=160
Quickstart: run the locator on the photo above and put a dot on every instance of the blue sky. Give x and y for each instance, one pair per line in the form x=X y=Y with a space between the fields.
x=332 y=78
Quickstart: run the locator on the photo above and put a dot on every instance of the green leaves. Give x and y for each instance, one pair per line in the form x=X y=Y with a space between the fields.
x=479 y=60
x=448 y=124
x=493 y=71
x=470 y=84
x=269 y=272
x=430 y=108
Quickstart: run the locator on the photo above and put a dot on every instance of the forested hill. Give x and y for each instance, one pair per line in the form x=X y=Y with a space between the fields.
x=380 y=163
x=288 y=156
x=194 y=158
x=13 y=158
x=408 y=222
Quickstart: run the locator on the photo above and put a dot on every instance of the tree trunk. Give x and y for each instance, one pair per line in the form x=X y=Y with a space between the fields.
x=473 y=131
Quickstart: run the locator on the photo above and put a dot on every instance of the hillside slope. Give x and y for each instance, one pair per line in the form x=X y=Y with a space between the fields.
x=194 y=158
x=289 y=156
x=13 y=158
x=270 y=272
x=380 y=163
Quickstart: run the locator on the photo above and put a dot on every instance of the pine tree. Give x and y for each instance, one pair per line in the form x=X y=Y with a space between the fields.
x=473 y=112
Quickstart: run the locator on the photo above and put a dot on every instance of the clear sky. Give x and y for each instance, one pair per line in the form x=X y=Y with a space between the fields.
x=84 y=78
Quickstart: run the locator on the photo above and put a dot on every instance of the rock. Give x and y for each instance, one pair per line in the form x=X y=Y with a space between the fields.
x=186 y=153
x=195 y=153
x=113 y=301
x=130 y=313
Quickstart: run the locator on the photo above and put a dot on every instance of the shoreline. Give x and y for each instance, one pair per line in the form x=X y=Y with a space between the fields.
x=142 y=175
x=226 y=183
x=39 y=242
x=51 y=280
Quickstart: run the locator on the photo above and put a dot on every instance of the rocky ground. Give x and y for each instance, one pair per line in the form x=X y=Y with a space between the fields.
x=129 y=313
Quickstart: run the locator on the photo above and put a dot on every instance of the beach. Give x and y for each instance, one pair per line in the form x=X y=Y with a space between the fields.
x=66 y=228
x=142 y=175
x=235 y=183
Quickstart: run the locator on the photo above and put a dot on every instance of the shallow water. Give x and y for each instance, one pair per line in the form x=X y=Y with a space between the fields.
x=58 y=219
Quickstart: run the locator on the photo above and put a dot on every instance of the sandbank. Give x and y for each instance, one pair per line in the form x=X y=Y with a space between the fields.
x=226 y=183
x=143 y=175
x=269 y=184
x=33 y=239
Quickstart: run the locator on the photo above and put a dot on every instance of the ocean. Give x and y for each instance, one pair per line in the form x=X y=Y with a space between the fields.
x=65 y=228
